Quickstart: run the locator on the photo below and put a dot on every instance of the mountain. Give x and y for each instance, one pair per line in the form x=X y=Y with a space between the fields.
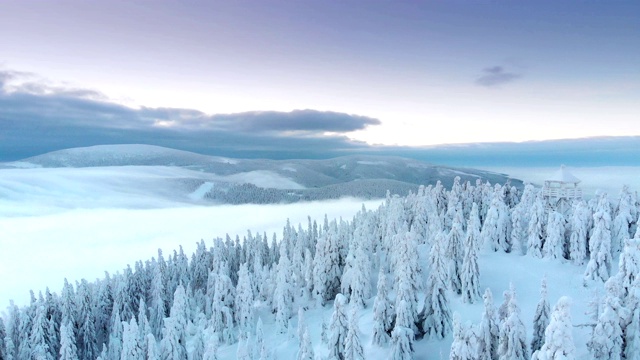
x=229 y=180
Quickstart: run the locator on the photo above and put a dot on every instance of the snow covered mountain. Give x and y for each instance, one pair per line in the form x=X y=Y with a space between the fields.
x=228 y=180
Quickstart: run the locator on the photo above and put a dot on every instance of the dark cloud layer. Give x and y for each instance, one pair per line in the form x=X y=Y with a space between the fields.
x=37 y=118
x=495 y=76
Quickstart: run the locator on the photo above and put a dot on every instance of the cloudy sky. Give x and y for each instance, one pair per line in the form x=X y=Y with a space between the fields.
x=216 y=76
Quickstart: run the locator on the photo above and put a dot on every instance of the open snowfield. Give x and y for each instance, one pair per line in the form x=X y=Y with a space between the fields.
x=78 y=223
x=604 y=178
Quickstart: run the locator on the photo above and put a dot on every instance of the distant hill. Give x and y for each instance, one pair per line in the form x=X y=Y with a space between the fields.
x=267 y=181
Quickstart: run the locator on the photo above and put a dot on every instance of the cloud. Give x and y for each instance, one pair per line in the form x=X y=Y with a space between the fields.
x=496 y=76
x=37 y=117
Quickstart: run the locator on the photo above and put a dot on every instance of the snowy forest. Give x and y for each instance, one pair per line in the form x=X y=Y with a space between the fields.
x=225 y=300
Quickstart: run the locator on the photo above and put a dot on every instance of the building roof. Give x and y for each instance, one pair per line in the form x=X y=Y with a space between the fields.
x=564 y=176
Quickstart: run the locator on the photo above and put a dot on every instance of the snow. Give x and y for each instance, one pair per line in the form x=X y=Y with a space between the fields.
x=364 y=162
x=564 y=176
x=264 y=179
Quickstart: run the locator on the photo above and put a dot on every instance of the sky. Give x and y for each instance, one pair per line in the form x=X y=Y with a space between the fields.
x=309 y=77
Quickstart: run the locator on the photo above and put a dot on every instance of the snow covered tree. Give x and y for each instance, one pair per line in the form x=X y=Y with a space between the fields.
x=242 y=353
x=455 y=250
x=579 y=228
x=474 y=227
x=632 y=336
x=553 y=247
x=339 y=328
x=625 y=215
x=489 y=330
x=38 y=337
x=382 y=312
x=283 y=294
x=352 y=346
x=131 y=347
x=496 y=229
x=407 y=273
x=356 y=275
x=599 y=266
x=68 y=349
x=512 y=344
x=326 y=266
x=536 y=229
x=402 y=343
x=464 y=346
x=436 y=312
x=158 y=300
x=629 y=265
x=306 y=347
x=540 y=318
x=173 y=341
x=199 y=346
x=470 y=269
x=244 y=300
x=212 y=349
x=606 y=339
x=517 y=229
x=558 y=342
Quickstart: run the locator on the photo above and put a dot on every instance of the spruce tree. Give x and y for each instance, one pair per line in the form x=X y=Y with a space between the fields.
x=306 y=347
x=436 y=312
x=352 y=346
x=599 y=266
x=512 y=344
x=558 y=342
x=382 y=312
x=339 y=328
x=470 y=269
x=489 y=330
x=540 y=318
x=553 y=247
x=68 y=349
x=578 y=238
x=244 y=300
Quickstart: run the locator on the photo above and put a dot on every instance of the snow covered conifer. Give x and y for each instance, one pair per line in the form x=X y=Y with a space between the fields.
x=558 y=342
x=212 y=349
x=489 y=330
x=38 y=337
x=513 y=335
x=625 y=216
x=606 y=339
x=131 y=348
x=629 y=265
x=402 y=343
x=553 y=247
x=632 y=336
x=382 y=312
x=436 y=312
x=470 y=269
x=339 y=328
x=599 y=266
x=306 y=347
x=68 y=349
x=455 y=250
x=244 y=300
x=536 y=229
x=352 y=346
x=578 y=239
x=463 y=346
x=283 y=293
x=540 y=318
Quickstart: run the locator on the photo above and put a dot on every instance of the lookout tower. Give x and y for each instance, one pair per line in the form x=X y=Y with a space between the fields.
x=561 y=188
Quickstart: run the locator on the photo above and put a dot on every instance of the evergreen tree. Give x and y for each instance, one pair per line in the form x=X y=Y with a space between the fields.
x=352 y=346
x=244 y=300
x=38 y=337
x=489 y=330
x=402 y=343
x=625 y=216
x=606 y=339
x=599 y=266
x=68 y=349
x=198 y=346
x=578 y=239
x=513 y=336
x=553 y=247
x=382 y=312
x=436 y=312
x=212 y=349
x=115 y=337
x=131 y=347
x=152 y=347
x=629 y=265
x=540 y=318
x=536 y=230
x=172 y=345
x=158 y=301
x=306 y=348
x=339 y=328
x=283 y=294
x=632 y=336
x=464 y=346
x=558 y=342
x=470 y=269
x=455 y=250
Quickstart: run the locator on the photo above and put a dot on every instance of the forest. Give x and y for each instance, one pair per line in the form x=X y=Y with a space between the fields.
x=190 y=306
